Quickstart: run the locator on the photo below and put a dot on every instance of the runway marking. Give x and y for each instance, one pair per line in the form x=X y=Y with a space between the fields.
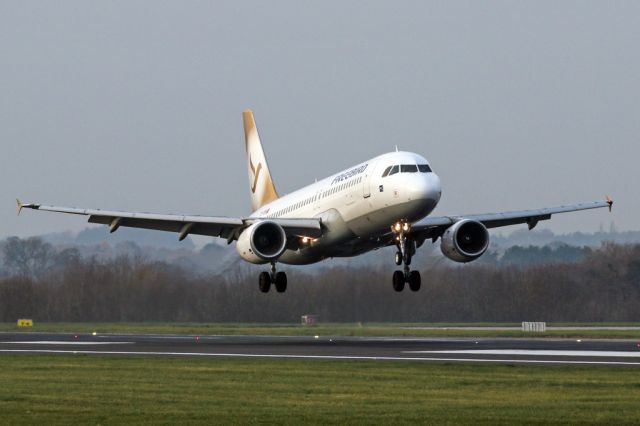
x=64 y=342
x=519 y=328
x=535 y=352
x=321 y=357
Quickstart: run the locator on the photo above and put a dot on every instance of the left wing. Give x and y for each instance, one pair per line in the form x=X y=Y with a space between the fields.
x=215 y=226
x=432 y=227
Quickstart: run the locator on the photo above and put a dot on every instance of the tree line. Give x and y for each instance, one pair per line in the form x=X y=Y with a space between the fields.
x=40 y=282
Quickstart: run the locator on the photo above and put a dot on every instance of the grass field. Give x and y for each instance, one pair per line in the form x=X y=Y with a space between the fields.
x=354 y=329
x=112 y=390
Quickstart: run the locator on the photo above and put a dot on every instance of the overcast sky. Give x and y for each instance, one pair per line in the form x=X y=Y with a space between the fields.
x=136 y=105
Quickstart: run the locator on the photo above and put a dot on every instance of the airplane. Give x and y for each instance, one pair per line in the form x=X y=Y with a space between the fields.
x=381 y=202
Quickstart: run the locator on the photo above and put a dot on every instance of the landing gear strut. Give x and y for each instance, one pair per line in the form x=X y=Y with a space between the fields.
x=406 y=249
x=278 y=279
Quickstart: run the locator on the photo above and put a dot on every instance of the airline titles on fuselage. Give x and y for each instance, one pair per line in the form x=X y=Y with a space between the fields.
x=338 y=179
x=350 y=173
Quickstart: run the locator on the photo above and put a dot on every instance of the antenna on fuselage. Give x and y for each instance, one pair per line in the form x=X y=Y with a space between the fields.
x=396 y=148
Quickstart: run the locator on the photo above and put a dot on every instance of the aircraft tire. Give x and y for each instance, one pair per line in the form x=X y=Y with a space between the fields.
x=264 y=282
x=414 y=280
x=281 y=282
x=398 y=258
x=398 y=281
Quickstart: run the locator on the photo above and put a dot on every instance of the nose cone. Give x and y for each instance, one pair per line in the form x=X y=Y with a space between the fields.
x=425 y=186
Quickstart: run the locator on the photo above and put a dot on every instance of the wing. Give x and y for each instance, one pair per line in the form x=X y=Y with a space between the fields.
x=433 y=227
x=215 y=226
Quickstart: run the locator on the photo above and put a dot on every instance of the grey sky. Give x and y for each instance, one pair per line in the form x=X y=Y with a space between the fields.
x=136 y=105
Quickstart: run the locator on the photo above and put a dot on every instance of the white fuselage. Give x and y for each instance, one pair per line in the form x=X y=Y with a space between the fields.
x=359 y=204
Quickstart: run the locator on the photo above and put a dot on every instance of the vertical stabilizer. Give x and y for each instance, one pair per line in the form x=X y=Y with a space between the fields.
x=262 y=189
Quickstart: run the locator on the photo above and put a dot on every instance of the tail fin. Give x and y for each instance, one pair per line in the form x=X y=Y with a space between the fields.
x=262 y=188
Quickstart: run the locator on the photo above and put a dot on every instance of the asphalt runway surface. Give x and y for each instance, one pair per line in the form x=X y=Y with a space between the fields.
x=623 y=353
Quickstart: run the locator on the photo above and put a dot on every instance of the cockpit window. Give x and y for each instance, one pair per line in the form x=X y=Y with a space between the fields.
x=407 y=168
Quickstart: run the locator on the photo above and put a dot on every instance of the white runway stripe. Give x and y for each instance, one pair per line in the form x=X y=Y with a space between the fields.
x=65 y=342
x=321 y=357
x=535 y=352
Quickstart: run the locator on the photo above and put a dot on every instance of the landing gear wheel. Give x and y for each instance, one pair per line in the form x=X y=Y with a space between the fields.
x=414 y=280
x=398 y=281
x=398 y=258
x=264 y=282
x=281 y=282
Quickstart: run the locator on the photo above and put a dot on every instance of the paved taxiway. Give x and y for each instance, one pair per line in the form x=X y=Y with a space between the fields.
x=486 y=350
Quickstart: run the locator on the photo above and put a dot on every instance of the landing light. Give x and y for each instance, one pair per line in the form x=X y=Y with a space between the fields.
x=400 y=226
x=305 y=240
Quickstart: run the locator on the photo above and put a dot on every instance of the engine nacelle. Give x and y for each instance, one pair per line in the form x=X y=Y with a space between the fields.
x=262 y=242
x=465 y=241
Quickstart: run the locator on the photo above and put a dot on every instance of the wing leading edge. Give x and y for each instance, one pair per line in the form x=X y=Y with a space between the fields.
x=432 y=227
x=214 y=226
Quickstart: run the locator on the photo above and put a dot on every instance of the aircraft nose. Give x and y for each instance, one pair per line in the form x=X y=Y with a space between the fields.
x=435 y=191
x=426 y=187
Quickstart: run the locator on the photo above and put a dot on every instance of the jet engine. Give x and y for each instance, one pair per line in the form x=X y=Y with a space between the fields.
x=465 y=240
x=262 y=242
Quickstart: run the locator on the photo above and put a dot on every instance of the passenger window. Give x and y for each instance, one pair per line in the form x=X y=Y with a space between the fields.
x=408 y=168
x=393 y=171
x=386 y=172
x=424 y=168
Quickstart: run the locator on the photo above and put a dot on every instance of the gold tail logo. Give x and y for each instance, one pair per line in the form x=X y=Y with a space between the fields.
x=256 y=174
x=262 y=191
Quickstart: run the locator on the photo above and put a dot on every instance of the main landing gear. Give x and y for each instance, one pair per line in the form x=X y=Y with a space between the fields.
x=406 y=249
x=278 y=279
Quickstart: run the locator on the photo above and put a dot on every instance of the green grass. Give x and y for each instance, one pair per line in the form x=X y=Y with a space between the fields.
x=113 y=390
x=325 y=329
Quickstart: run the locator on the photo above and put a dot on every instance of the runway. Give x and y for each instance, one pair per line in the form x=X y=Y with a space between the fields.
x=623 y=353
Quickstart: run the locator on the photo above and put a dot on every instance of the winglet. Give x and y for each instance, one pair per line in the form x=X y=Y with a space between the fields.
x=22 y=205
x=610 y=202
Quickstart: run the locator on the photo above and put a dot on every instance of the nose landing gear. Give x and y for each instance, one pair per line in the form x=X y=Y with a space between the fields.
x=278 y=279
x=406 y=249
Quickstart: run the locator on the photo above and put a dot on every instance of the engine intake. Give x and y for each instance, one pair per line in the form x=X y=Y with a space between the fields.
x=465 y=240
x=262 y=242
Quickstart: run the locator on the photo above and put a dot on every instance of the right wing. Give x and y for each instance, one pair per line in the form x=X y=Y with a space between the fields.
x=214 y=226
x=432 y=227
